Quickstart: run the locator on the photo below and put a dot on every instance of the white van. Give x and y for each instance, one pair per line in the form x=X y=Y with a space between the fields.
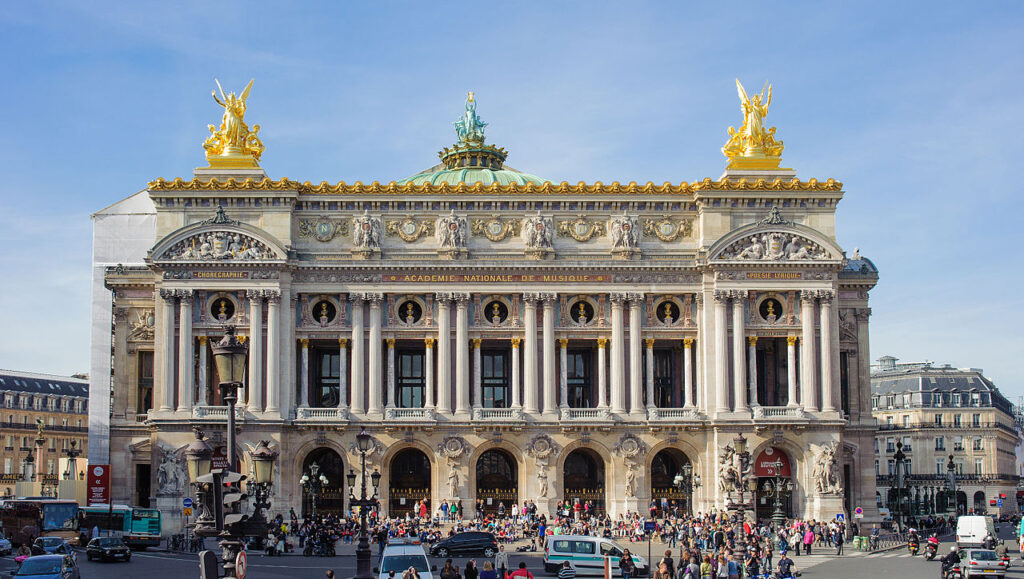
x=587 y=555
x=400 y=554
x=971 y=530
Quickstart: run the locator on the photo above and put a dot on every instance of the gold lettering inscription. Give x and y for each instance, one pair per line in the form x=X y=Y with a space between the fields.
x=220 y=275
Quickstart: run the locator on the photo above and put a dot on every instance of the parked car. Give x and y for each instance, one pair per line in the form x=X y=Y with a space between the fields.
x=982 y=563
x=400 y=555
x=5 y=546
x=471 y=543
x=49 y=567
x=51 y=546
x=107 y=549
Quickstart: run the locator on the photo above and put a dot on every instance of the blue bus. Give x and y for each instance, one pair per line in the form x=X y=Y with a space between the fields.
x=139 y=527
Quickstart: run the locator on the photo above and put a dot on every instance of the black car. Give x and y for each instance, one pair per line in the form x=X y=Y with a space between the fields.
x=107 y=548
x=471 y=543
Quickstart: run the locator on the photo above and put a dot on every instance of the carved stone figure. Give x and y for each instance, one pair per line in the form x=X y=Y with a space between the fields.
x=536 y=232
x=170 y=475
x=233 y=138
x=453 y=482
x=542 y=482
x=623 y=232
x=630 y=488
x=752 y=139
x=774 y=246
x=728 y=475
x=142 y=327
x=826 y=470
x=470 y=128
x=541 y=448
x=366 y=232
x=219 y=246
x=451 y=232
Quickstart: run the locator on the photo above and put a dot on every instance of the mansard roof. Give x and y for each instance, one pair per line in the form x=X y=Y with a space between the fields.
x=45 y=384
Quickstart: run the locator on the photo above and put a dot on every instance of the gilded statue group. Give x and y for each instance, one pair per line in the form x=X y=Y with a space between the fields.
x=753 y=139
x=233 y=138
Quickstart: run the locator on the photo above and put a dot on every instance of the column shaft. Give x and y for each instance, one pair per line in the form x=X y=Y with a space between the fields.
x=563 y=373
x=530 y=403
x=808 y=366
x=791 y=377
x=462 y=354
x=515 y=373
x=752 y=365
x=478 y=394
x=428 y=372
x=549 y=355
x=602 y=373
x=204 y=392
x=721 y=352
x=650 y=372
x=305 y=371
x=167 y=352
x=391 y=373
x=739 y=342
x=375 y=344
x=358 y=363
x=828 y=390
x=255 y=389
x=618 y=363
x=186 y=371
x=688 y=372
x=444 y=354
x=635 y=357
x=342 y=373
x=273 y=352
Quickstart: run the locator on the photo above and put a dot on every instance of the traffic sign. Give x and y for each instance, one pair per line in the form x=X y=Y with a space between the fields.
x=240 y=562
x=186 y=502
x=187 y=511
x=858 y=511
x=840 y=517
x=650 y=526
x=999 y=503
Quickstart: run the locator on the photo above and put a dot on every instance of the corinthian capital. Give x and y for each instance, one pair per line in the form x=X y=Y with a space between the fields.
x=461 y=299
x=356 y=298
x=443 y=297
x=548 y=296
x=167 y=294
x=531 y=298
x=636 y=298
x=722 y=296
x=618 y=299
x=826 y=296
x=374 y=298
x=253 y=295
x=808 y=295
x=273 y=296
x=185 y=295
x=738 y=295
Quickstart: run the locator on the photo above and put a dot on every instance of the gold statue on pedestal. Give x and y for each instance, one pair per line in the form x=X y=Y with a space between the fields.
x=753 y=146
x=233 y=144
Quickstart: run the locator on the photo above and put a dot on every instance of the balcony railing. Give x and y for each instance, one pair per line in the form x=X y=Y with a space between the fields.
x=685 y=414
x=497 y=414
x=332 y=414
x=49 y=427
x=779 y=413
x=216 y=412
x=411 y=414
x=940 y=479
x=585 y=414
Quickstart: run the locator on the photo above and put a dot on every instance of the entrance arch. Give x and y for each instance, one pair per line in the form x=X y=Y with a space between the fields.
x=772 y=467
x=583 y=478
x=410 y=481
x=497 y=480
x=332 y=498
x=665 y=466
x=979 y=503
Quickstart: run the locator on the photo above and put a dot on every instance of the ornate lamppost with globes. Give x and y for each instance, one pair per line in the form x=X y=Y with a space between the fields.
x=686 y=482
x=900 y=481
x=777 y=488
x=72 y=453
x=312 y=483
x=364 y=503
x=746 y=483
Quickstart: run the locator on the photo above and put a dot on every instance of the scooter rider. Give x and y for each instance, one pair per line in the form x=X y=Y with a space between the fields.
x=949 y=561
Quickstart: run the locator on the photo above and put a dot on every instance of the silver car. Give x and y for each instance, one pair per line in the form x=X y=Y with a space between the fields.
x=982 y=563
x=5 y=546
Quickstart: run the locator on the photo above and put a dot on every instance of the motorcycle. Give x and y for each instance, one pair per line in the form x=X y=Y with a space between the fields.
x=913 y=547
x=953 y=573
x=930 y=551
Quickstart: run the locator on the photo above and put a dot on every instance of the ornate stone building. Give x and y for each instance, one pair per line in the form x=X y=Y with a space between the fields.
x=501 y=337
x=938 y=413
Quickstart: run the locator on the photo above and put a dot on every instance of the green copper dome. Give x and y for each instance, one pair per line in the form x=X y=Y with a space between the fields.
x=471 y=161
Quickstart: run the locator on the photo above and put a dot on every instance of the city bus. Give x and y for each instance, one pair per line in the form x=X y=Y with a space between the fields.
x=139 y=527
x=25 y=520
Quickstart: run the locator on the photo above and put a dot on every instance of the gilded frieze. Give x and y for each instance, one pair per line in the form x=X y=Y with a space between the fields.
x=581 y=229
x=495 y=228
x=667 y=229
x=322 y=228
x=409 y=229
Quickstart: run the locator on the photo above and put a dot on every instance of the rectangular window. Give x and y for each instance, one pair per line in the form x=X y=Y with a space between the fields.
x=495 y=378
x=663 y=380
x=938 y=420
x=890 y=400
x=906 y=443
x=7 y=465
x=907 y=469
x=959 y=468
x=977 y=443
x=326 y=377
x=937 y=399
x=844 y=381
x=975 y=399
x=976 y=420
x=956 y=420
x=906 y=421
x=940 y=443
x=940 y=466
x=411 y=380
x=876 y=446
x=888 y=420
x=578 y=379
x=958 y=443
x=892 y=467
x=890 y=444
x=877 y=468
x=145 y=382
x=977 y=466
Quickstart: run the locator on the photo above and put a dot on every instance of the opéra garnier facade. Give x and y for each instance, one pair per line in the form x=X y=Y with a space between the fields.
x=501 y=337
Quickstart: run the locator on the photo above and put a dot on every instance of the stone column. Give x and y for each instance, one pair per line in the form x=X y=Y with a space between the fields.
x=273 y=351
x=515 y=373
x=791 y=377
x=358 y=331
x=342 y=373
x=549 y=354
x=288 y=352
x=635 y=357
x=255 y=350
x=428 y=372
x=530 y=403
x=391 y=372
x=563 y=373
x=444 y=354
x=752 y=365
x=167 y=351
x=186 y=371
x=478 y=393
x=721 y=352
x=688 y=372
x=649 y=342
x=304 y=342
x=739 y=362
x=828 y=394
x=618 y=363
x=700 y=398
x=204 y=391
x=375 y=344
x=602 y=373
x=808 y=370
x=462 y=353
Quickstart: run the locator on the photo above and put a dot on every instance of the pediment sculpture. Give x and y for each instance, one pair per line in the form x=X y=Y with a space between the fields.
x=219 y=246
x=452 y=234
x=366 y=233
x=774 y=246
x=623 y=232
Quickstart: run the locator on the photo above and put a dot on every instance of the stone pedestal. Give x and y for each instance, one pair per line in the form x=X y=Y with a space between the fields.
x=172 y=520
x=826 y=507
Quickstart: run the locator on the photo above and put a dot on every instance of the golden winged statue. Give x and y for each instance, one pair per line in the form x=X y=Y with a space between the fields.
x=233 y=144
x=753 y=146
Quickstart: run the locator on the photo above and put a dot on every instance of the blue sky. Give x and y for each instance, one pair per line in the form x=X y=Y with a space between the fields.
x=915 y=106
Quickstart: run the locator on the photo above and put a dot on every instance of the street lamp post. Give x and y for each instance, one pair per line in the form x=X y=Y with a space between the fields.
x=777 y=488
x=72 y=453
x=951 y=484
x=686 y=481
x=900 y=460
x=312 y=483
x=746 y=482
x=363 y=442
